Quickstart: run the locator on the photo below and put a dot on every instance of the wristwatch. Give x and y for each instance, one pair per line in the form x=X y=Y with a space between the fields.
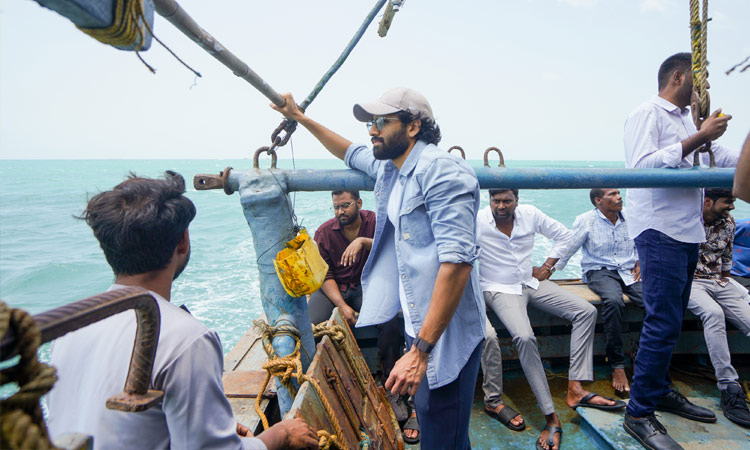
x=422 y=345
x=550 y=268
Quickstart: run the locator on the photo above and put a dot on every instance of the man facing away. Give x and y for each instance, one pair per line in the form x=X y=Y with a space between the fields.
x=142 y=227
x=505 y=233
x=610 y=268
x=715 y=298
x=666 y=226
x=344 y=243
x=421 y=258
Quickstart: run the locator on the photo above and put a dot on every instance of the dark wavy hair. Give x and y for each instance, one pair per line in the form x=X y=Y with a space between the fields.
x=717 y=193
x=140 y=222
x=428 y=132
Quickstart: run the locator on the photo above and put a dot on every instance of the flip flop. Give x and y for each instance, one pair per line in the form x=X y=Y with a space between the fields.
x=505 y=416
x=411 y=424
x=551 y=438
x=584 y=403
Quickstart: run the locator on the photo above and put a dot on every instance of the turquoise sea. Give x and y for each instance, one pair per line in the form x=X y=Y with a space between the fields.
x=48 y=258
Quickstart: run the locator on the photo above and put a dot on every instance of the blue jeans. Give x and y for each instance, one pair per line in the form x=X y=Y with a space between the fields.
x=444 y=413
x=667 y=268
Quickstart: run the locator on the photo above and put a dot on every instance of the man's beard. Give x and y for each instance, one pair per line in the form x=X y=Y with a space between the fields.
x=182 y=267
x=348 y=220
x=395 y=147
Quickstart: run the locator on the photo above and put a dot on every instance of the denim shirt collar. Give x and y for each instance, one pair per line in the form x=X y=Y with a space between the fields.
x=411 y=161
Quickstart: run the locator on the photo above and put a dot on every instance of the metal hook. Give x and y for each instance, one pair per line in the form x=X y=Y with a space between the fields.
x=266 y=150
x=499 y=153
x=456 y=147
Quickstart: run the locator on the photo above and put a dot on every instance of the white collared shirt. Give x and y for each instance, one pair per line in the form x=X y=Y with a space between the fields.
x=653 y=138
x=505 y=262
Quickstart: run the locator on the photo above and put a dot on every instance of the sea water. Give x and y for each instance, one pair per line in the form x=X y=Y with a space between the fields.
x=49 y=258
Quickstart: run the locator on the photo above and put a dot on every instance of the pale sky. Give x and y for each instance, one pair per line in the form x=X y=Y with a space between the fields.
x=541 y=79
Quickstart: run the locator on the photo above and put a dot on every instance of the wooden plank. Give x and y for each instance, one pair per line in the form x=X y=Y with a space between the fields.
x=246 y=384
x=328 y=379
x=386 y=419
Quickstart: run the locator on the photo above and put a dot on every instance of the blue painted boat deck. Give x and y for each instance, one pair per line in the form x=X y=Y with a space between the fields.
x=593 y=429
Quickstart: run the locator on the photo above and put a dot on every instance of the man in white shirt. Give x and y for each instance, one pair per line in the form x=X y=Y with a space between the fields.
x=666 y=224
x=505 y=234
x=142 y=227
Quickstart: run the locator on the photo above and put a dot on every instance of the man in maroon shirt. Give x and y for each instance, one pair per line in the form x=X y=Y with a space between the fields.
x=344 y=243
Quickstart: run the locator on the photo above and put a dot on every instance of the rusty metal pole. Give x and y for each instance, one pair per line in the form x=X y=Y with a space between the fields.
x=136 y=395
x=173 y=12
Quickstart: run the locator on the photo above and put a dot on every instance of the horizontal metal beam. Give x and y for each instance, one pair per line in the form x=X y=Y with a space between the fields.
x=494 y=177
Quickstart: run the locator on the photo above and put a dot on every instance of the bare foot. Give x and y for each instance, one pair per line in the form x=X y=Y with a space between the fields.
x=410 y=433
x=620 y=380
x=552 y=420
x=516 y=421
x=576 y=392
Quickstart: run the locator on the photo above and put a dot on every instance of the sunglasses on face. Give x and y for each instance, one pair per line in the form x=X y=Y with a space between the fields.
x=379 y=122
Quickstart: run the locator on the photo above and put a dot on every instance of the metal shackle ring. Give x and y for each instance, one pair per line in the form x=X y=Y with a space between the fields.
x=456 y=147
x=224 y=174
x=499 y=153
x=267 y=150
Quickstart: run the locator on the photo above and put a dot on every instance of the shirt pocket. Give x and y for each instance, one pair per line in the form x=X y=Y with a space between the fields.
x=414 y=222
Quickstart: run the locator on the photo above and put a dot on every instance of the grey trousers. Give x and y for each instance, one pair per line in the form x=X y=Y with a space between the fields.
x=512 y=311
x=713 y=303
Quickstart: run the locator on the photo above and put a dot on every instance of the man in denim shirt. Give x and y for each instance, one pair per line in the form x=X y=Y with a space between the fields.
x=422 y=257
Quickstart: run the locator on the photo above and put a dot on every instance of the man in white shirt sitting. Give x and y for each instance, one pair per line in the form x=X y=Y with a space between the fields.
x=142 y=227
x=505 y=233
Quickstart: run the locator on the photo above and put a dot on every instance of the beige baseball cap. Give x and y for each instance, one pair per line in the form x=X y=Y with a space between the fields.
x=392 y=101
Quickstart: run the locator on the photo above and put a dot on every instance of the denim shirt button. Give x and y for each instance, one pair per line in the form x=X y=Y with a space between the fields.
x=411 y=305
x=403 y=276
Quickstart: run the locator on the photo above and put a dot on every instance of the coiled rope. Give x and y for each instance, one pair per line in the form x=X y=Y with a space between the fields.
x=128 y=29
x=701 y=102
x=284 y=368
x=22 y=421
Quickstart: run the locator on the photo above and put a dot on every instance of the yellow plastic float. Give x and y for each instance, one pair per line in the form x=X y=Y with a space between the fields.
x=300 y=267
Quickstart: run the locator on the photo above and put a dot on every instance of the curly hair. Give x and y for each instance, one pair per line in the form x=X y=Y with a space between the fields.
x=140 y=222
x=429 y=131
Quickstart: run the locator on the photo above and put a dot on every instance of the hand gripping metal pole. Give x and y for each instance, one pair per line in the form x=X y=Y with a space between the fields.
x=57 y=322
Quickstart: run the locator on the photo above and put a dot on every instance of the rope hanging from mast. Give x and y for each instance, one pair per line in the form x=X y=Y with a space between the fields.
x=289 y=126
x=700 y=103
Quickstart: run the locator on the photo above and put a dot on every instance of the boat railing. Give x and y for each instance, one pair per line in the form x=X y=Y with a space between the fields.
x=269 y=212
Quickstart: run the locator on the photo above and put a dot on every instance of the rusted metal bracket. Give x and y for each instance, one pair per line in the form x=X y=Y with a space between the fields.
x=461 y=150
x=205 y=182
x=60 y=321
x=499 y=153
x=268 y=151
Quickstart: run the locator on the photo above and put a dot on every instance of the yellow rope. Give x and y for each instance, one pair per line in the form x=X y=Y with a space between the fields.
x=127 y=27
x=700 y=102
x=22 y=422
x=291 y=366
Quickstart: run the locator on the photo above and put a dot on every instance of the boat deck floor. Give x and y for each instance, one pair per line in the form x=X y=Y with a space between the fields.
x=594 y=429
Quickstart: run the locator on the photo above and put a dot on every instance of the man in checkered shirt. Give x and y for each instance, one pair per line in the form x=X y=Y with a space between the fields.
x=609 y=265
